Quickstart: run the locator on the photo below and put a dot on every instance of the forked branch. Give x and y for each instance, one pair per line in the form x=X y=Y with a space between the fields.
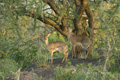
x=49 y=22
x=52 y=5
x=84 y=7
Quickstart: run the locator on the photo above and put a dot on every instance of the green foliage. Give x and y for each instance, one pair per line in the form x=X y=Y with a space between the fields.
x=7 y=66
x=42 y=58
x=114 y=64
x=24 y=56
x=19 y=50
x=2 y=54
x=82 y=72
x=108 y=32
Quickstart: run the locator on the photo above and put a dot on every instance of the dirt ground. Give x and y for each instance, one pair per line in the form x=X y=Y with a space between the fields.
x=47 y=72
x=35 y=71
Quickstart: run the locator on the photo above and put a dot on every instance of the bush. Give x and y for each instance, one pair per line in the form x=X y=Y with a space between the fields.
x=80 y=72
x=7 y=66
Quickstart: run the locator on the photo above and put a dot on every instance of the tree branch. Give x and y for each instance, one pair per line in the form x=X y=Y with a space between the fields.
x=54 y=8
x=80 y=12
x=50 y=22
x=52 y=5
x=90 y=17
x=63 y=21
x=77 y=3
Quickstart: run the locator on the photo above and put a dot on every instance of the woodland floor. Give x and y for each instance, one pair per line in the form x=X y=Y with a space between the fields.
x=47 y=71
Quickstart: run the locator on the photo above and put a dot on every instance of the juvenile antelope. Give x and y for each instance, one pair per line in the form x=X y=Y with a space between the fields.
x=57 y=46
x=82 y=40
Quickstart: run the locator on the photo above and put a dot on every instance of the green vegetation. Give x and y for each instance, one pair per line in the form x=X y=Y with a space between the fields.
x=81 y=73
x=7 y=66
x=22 y=38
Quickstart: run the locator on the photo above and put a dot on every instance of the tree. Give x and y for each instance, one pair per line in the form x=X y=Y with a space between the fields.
x=19 y=28
x=63 y=13
x=58 y=13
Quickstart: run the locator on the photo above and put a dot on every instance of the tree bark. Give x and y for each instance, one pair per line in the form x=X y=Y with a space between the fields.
x=84 y=7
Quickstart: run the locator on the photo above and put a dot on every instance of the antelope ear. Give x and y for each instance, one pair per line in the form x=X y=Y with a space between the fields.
x=49 y=34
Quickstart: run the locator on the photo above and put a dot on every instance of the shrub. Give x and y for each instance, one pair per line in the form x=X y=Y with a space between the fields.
x=7 y=66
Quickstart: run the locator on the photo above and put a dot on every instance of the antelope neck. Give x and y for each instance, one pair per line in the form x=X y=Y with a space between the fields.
x=46 y=41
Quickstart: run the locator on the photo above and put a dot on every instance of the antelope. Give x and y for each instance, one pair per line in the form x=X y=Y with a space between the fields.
x=81 y=40
x=56 y=46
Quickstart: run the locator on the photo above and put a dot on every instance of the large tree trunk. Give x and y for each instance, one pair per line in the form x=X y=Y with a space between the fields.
x=84 y=7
